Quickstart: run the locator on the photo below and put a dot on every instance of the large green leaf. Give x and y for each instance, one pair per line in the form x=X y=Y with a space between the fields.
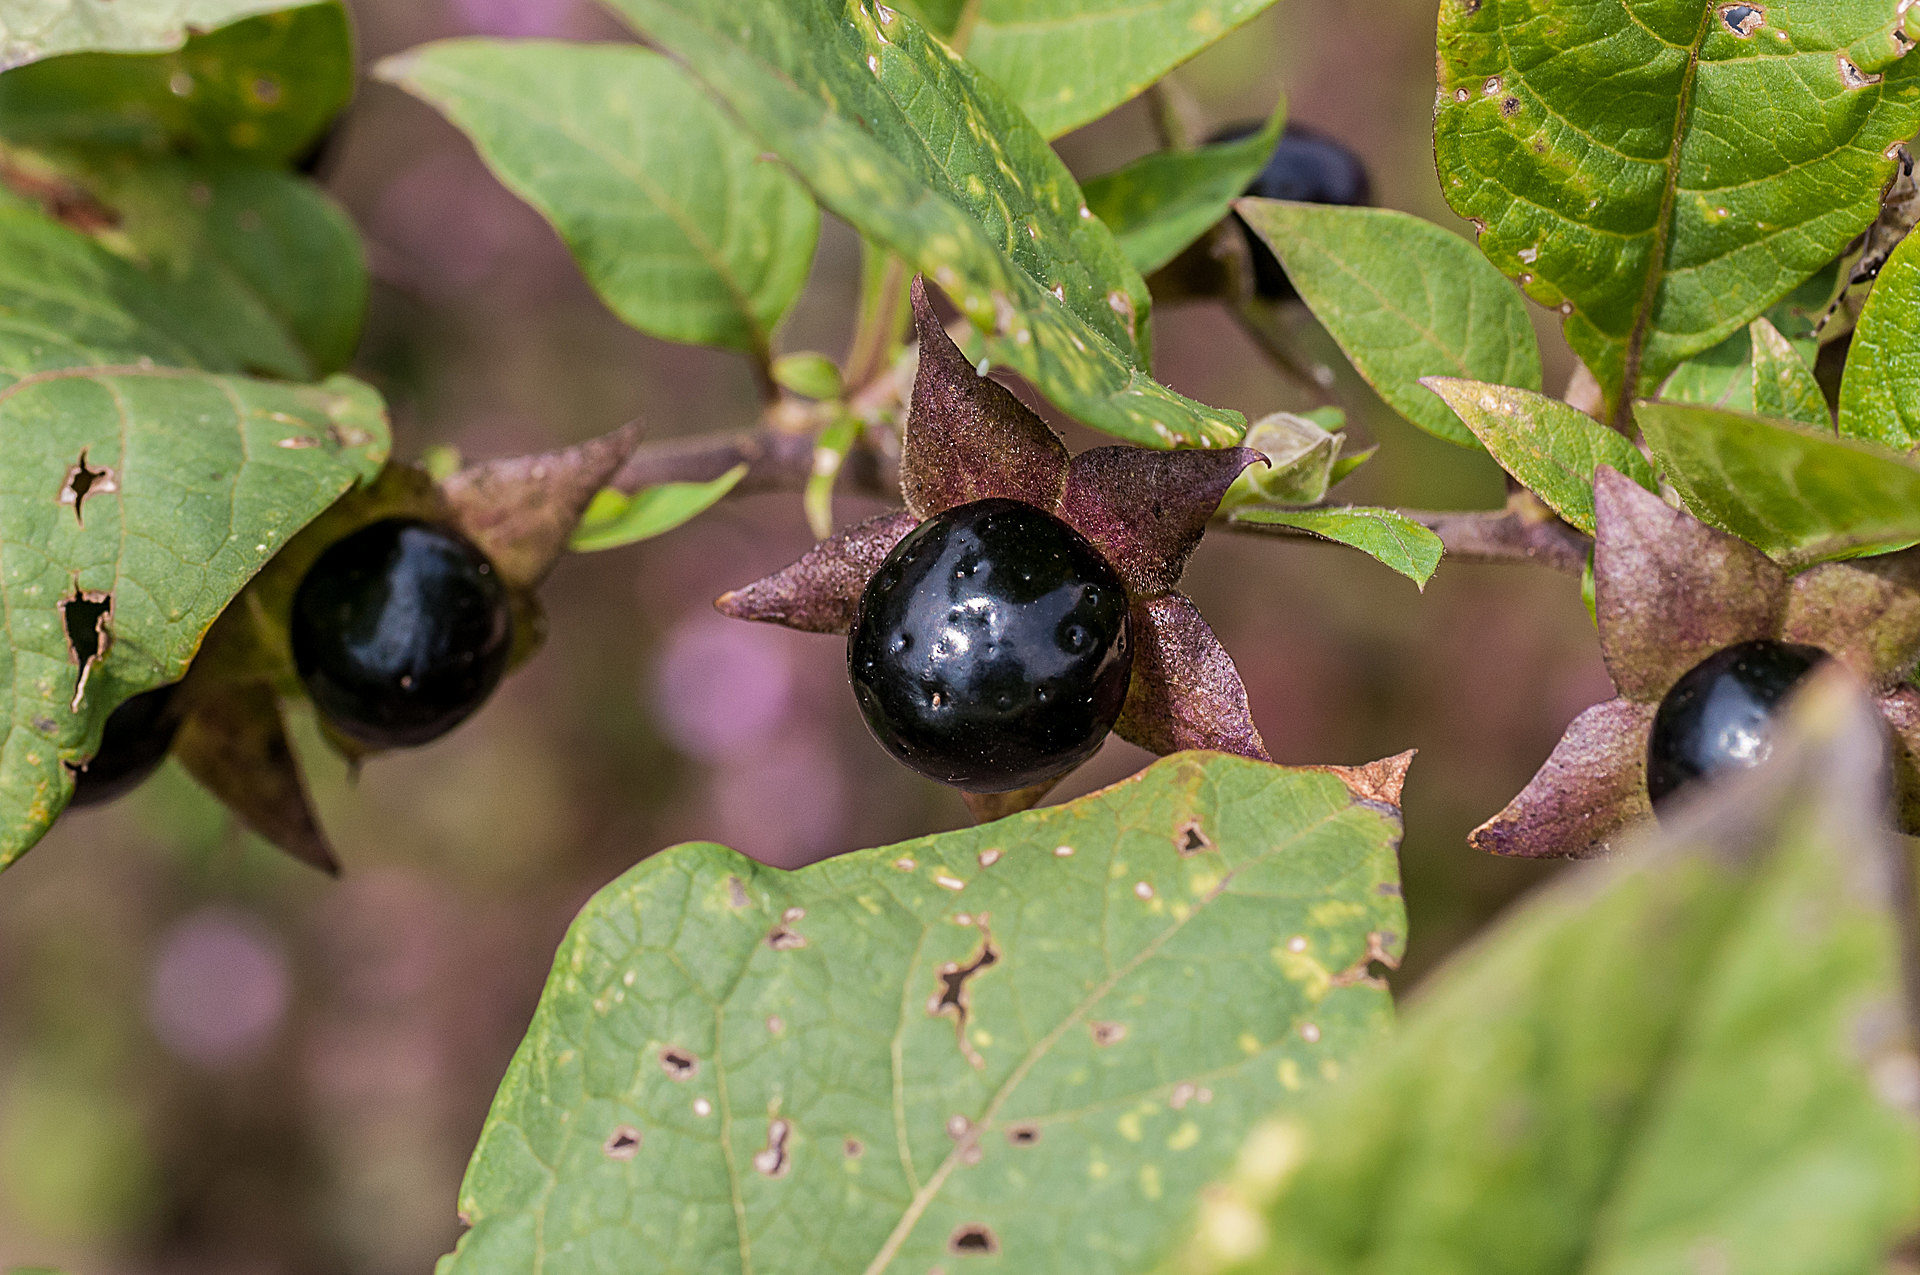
x=1161 y=203
x=262 y=90
x=34 y=29
x=1724 y=375
x=1802 y=496
x=1694 y=1058
x=1880 y=393
x=928 y=158
x=1665 y=170
x=1068 y=62
x=1405 y=299
x=1385 y=535
x=1550 y=447
x=676 y=219
x=1037 y=1038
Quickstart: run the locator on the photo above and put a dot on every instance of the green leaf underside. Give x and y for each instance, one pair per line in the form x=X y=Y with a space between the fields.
x=1068 y=62
x=1391 y=538
x=1801 y=496
x=1550 y=447
x=34 y=29
x=1159 y=204
x=674 y=216
x=1880 y=393
x=1656 y=175
x=1404 y=299
x=201 y=475
x=929 y=159
x=1784 y=387
x=263 y=90
x=1723 y=375
x=737 y=1068
x=615 y=519
x=1683 y=1061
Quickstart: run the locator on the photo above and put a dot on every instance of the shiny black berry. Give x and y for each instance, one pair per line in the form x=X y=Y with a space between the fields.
x=1306 y=167
x=1719 y=715
x=400 y=631
x=992 y=648
x=133 y=743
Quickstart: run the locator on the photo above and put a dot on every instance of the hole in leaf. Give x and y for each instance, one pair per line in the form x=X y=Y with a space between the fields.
x=1743 y=19
x=84 y=480
x=1024 y=1135
x=783 y=939
x=954 y=996
x=87 y=616
x=678 y=1063
x=1190 y=840
x=623 y=1143
x=973 y=1240
x=773 y=1160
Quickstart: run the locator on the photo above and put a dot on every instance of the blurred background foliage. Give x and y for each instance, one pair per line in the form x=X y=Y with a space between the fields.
x=215 y=1061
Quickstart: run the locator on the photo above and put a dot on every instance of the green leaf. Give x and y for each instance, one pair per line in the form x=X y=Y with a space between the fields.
x=34 y=29
x=1392 y=539
x=1038 y=1038
x=1159 y=204
x=1723 y=375
x=1783 y=384
x=810 y=375
x=1405 y=299
x=1068 y=62
x=681 y=226
x=1714 y=174
x=1301 y=454
x=1550 y=447
x=263 y=90
x=1801 y=496
x=929 y=159
x=1880 y=393
x=1693 y=1057
x=228 y=267
x=616 y=518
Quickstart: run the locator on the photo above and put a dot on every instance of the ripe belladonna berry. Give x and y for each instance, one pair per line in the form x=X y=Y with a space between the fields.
x=133 y=744
x=1719 y=715
x=400 y=631
x=991 y=650
x=1306 y=167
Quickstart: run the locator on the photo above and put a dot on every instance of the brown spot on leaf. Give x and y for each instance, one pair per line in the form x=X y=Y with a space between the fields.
x=1378 y=781
x=88 y=619
x=737 y=892
x=1743 y=19
x=1023 y=1135
x=59 y=197
x=1107 y=1034
x=1190 y=839
x=1379 y=952
x=773 y=1161
x=973 y=1239
x=84 y=480
x=623 y=1143
x=781 y=938
x=955 y=995
x=853 y=1148
x=1852 y=76
x=678 y=1063
x=1509 y=107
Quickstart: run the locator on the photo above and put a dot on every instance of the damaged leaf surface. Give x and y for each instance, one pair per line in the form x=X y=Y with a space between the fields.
x=869 y=1064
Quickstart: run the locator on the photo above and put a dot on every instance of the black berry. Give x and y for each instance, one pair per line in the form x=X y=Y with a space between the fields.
x=400 y=631
x=1719 y=715
x=992 y=649
x=133 y=743
x=1306 y=167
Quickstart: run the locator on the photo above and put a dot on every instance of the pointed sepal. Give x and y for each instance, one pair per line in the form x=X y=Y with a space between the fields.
x=1591 y=789
x=1185 y=693
x=1145 y=511
x=968 y=438
x=234 y=743
x=821 y=592
x=1866 y=613
x=1670 y=590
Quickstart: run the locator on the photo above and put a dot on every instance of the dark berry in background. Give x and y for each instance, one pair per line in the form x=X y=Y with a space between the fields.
x=992 y=648
x=1719 y=716
x=133 y=744
x=1306 y=167
x=400 y=631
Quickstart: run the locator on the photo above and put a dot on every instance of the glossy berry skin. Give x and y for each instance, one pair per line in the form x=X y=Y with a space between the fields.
x=133 y=744
x=992 y=649
x=400 y=631
x=1306 y=167
x=1719 y=715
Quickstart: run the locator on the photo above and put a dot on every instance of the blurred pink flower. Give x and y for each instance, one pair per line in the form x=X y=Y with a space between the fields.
x=785 y=807
x=518 y=17
x=724 y=690
x=219 y=988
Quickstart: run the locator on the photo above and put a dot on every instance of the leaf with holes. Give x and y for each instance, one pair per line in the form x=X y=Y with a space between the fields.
x=1037 y=1038
x=35 y=29
x=1801 y=496
x=1551 y=448
x=1880 y=393
x=928 y=158
x=1694 y=1057
x=1734 y=151
x=1160 y=203
x=1068 y=62
x=676 y=218
x=262 y=90
x=1389 y=537
x=1405 y=299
